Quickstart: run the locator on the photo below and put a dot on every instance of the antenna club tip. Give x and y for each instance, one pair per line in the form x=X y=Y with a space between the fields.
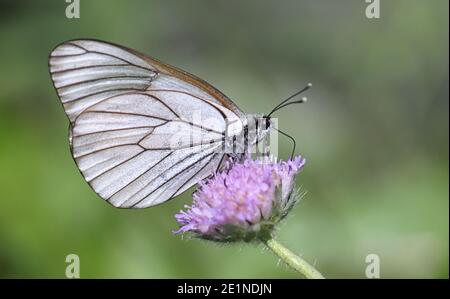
x=309 y=84
x=304 y=99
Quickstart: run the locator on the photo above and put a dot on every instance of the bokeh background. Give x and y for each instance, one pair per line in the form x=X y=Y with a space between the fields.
x=375 y=132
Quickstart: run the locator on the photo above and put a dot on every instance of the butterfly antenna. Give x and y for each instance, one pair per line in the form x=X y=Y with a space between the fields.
x=302 y=100
x=285 y=103
x=291 y=138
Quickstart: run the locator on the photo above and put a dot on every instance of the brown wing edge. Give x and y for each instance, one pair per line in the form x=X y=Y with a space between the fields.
x=167 y=69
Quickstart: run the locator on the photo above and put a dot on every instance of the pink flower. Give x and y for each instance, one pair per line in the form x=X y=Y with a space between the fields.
x=244 y=202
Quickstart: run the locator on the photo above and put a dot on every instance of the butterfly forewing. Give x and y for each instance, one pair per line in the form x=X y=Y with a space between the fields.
x=141 y=131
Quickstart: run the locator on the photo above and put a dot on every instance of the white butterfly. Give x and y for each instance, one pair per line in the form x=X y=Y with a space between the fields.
x=125 y=111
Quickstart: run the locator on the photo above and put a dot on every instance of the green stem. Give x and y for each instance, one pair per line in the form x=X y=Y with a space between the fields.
x=296 y=262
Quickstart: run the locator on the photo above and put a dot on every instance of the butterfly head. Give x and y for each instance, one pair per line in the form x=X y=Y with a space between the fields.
x=267 y=121
x=266 y=125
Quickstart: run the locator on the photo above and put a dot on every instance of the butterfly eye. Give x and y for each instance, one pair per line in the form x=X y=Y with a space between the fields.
x=267 y=124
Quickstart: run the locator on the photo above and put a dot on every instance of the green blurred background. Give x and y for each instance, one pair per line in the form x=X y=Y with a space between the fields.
x=375 y=133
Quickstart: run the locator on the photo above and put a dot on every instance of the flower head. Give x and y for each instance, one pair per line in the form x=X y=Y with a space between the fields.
x=244 y=202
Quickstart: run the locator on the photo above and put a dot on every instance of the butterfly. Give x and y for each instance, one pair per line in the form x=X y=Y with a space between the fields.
x=141 y=131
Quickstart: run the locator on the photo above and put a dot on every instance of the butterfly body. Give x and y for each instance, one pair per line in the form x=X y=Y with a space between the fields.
x=142 y=132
